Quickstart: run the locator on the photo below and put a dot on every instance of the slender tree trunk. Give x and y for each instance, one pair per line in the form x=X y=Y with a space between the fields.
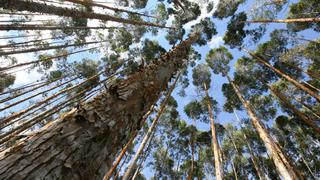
x=133 y=163
x=190 y=175
x=309 y=73
x=37 y=94
x=145 y=155
x=23 y=27
x=47 y=48
x=119 y=170
x=234 y=170
x=33 y=89
x=20 y=5
x=283 y=164
x=308 y=167
x=84 y=142
x=88 y=3
x=216 y=149
x=301 y=115
x=254 y=159
x=46 y=59
x=314 y=112
x=288 y=78
x=303 y=20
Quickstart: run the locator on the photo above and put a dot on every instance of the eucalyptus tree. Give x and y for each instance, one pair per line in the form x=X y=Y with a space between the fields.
x=87 y=117
x=219 y=60
x=202 y=79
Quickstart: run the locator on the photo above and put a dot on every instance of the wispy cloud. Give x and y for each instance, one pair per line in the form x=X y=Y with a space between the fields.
x=216 y=41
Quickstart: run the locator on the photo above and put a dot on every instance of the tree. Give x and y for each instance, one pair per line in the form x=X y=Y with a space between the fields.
x=86 y=117
x=202 y=78
x=219 y=58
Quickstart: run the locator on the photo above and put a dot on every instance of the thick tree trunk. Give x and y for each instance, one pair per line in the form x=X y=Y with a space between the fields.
x=133 y=163
x=216 y=149
x=84 y=142
x=312 y=124
x=288 y=78
x=304 y=20
x=20 y=5
x=124 y=149
x=283 y=164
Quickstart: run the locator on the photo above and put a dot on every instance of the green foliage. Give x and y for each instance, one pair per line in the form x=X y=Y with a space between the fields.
x=201 y=75
x=218 y=60
x=6 y=80
x=304 y=9
x=206 y=29
x=227 y=8
x=235 y=30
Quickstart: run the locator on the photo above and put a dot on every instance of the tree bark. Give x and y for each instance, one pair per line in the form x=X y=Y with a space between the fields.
x=312 y=124
x=283 y=164
x=301 y=20
x=125 y=148
x=83 y=143
x=288 y=78
x=30 y=6
x=234 y=170
x=216 y=149
x=151 y=129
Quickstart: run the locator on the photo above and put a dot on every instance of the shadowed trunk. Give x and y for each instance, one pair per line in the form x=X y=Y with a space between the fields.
x=83 y=143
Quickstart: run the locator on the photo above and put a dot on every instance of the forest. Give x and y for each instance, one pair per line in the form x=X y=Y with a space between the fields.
x=159 y=89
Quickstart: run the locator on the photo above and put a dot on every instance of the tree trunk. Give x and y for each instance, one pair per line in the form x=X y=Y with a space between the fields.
x=254 y=159
x=22 y=27
x=301 y=20
x=125 y=148
x=47 y=59
x=5 y=53
x=20 y=5
x=234 y=170
x=283 y=164
x=312 y=124
x=288 y=78
x=216 y=149
x=190 y=175
x=146 y=138
x=314 y=112
x=84 y=142
x=88 y=3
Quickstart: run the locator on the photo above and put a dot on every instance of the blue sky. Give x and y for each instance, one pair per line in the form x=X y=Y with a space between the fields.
x=192 y=94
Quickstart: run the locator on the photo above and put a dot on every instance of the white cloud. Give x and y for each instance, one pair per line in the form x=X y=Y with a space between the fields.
x=215 y=42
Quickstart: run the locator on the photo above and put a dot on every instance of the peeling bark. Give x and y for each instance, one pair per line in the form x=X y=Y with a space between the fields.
x=83 y=143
